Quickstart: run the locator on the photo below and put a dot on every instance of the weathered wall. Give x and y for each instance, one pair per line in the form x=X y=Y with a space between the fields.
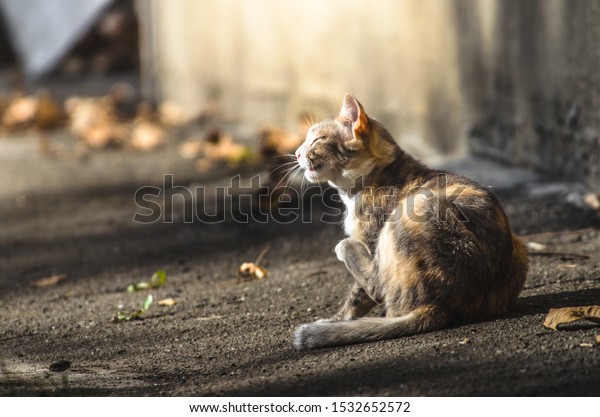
x=516 y=80
x=532 y=93
x=268 y=60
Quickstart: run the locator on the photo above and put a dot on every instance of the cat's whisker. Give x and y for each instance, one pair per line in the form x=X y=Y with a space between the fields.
x=286 y=177
x=284 y=155
x=297 y=170
x=309 y=123
x=302 y=186
x=302 y=182
x=285 y=165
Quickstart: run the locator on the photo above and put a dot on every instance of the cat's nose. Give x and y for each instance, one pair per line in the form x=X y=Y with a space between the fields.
x=298 y=154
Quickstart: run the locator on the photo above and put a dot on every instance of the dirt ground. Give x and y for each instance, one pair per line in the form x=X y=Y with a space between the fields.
x=73 y=215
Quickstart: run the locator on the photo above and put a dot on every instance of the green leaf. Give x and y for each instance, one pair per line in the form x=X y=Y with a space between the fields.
x=119 y=317
x=159 y=278
x=122 y=316
x=142 y=286
x=147 y=303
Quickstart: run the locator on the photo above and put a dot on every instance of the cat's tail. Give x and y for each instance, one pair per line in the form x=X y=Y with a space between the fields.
x=367 y=329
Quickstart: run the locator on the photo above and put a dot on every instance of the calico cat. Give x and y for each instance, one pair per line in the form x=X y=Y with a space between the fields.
x=434 y=248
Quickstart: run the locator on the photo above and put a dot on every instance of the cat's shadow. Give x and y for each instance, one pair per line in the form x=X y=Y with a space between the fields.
x=542 y=303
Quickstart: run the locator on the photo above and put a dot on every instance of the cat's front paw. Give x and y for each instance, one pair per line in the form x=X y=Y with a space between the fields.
x=351 y=248
x=341 y=249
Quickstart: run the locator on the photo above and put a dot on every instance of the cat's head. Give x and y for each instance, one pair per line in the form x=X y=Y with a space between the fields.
x=344 y=148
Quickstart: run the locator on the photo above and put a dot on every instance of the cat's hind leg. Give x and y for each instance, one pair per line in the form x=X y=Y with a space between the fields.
x=358 y=304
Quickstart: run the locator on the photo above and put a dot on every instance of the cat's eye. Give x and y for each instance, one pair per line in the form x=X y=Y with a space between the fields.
x=319 y=138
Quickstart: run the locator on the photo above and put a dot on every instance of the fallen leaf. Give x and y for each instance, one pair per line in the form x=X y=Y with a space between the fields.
x=558 y=316
x=536 y=246
x=598 y=339
x=60 y=366
x=218 y=145
x=204 y=165
x=49 y=114
x=147 y=302
x=167 y=302
x=250 y=270
x=592 y=201
x=3 y=103
x=20 y=111
x=587 y=345
x=158 y=279
x=174 y=114
x=147 y=136
x=122 y=316
x=94 y=121
x=49 y=281
x=465 y=341
x=277 y=141
x=191 y=148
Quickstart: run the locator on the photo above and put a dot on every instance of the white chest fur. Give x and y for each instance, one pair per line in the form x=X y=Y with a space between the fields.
x=350 y=221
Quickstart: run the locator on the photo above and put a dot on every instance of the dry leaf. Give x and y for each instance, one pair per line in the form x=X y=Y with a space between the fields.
x=3 y=103
x=557 y=316
x=93 y=120
x=167 y=302
x=277 y=141
x=147 y=136
x=21 y=110
x=536 y=246
x=592 y=201
x=217 y=145
x=598 y=339
x=49 y=113
x=173 y=114
x=191 y=148
x=49 y=281
x=204 y=165
x=465 y=341
x=250 y=270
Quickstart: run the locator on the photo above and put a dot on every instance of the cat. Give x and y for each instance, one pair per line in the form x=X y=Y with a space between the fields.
x=433 y=248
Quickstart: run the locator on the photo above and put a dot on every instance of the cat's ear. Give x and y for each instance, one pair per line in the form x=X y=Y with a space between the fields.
x=353 y=112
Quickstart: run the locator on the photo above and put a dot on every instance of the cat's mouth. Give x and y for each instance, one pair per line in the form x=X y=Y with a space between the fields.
x=313 y=171
x=314 y=167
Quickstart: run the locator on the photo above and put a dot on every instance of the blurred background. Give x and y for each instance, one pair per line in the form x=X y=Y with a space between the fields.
x=515 y=81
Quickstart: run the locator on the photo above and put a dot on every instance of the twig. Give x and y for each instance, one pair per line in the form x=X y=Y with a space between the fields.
x=563 y=254
x=315 y=273
x=261 y=255
x=558 y=234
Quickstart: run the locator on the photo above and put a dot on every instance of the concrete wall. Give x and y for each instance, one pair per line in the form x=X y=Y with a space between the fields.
x=517 y=80
x=268 y=60
x=532 y=93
